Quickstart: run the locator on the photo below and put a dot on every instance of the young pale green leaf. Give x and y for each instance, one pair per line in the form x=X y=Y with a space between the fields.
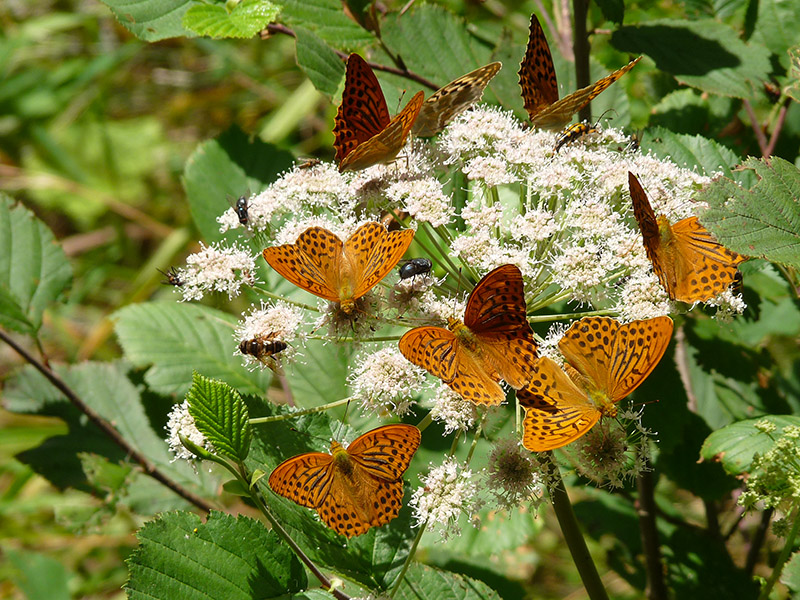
x=38 y=577
x=175 y=339
x=319 y=62
x=153 y=20
x=763 y=221
x=735 y=445
x=702 y=53
x=220 y=415
x=180 y=556
x=247 y=18
x=426 y=582
x=227 y=167
x=33 y=269
x=327 y=20
x=790 y=577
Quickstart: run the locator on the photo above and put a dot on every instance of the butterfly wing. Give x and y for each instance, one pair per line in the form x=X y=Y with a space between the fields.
x=557 y=411
x=433 y=349
x=305 y=479
x=355 y=505
x=496 y=314
x=373 y=252
x=363 y=112
x=558 y=114
x=386 y=452
x=453 y=99
x=384 y=146
x=613 y=358
x=537 y=76
x=704 y=267
x=313 y=262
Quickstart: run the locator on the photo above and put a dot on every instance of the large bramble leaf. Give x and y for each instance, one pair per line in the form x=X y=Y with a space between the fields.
x=33 y=268
x=777 y=26
x=703 y=53
x=422 y=581
x=176 y=339
x=763 y=221
x=180 y=556
x=319 y=62
x=221 y=416
x=326 y=19
x=734 y=446
x=246 y=19
x=153 y=20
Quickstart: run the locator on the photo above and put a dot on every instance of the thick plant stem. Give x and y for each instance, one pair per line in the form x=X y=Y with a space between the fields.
x=580 y=46
x=408 y=560
x=646 y=509
x=782 y=557
x=572 y=533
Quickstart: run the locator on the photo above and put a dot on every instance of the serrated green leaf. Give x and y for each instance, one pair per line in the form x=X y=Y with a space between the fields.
x=319 y=62
x=247 y=18
x=228 y=166
x=426 y=582
x=777 y=26
x=790 y=577
x=152 y=20
x=763 y=221
x=735 y=445
x=176 y=339
x=180 y=556
x=33 y=268
x=704 y=53
x=327 y=20
x=221 y=416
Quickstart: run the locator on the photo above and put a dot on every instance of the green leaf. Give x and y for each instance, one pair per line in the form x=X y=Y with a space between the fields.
x=777 y=26
x=613 y=10
x=39 y=577
x=33 y=268
x=319 y=62
x=734 y=446
x=763 y=221
x=228 y=166
x=324 y=376
x=178 y=339
x=152 y=20
x=790 y=577
x=247 y=18
x=180 y=556
x=221 y=416
x=426 y=582
x=327 y=20
x=704 y=54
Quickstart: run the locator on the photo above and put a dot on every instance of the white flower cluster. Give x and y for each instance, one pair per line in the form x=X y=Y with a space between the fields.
x=386 y=382
x=217 y=269
x=448 y=491
x=271 y=321
x=451 y=409
x=180 y=422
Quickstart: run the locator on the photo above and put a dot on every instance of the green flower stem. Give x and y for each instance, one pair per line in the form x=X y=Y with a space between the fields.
x=783 y=556
x=269 y=294
x=426 y=420
x=300 y=413
x=572 y=533
x=475 y=439
x=408 y=560
x=566 y=316
x=454 y=269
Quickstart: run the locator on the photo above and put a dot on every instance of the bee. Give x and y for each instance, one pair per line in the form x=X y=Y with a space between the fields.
x=415 y=266
x=262 y=348
x=172 y=277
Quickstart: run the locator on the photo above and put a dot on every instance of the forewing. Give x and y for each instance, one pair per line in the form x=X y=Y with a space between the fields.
x=313 y=262
x=453 y=99
x=386 y=452
x=384 y=146
x=497 y=304
x=305 y=479
x=373 y=252
x=557 y=411
x=648 y=225
x=432 y=348
x=560 y=113
x=537 y=76
x=363 y=112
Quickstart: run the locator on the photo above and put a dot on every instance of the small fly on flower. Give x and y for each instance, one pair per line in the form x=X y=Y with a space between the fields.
x=172 y=277
x=415 y=266
x=309 y=163
x=262 y=347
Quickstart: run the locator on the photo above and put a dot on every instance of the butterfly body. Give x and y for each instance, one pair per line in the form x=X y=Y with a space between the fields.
x=493 y=342
x=688 y=262
x=320 y=263
x=605 y=361
x=353 y=488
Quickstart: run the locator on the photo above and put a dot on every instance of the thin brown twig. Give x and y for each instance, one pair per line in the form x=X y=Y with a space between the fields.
x=283 y=29
x=758 y=541
x=760 y=136
x=132 y=453
x=773 y=140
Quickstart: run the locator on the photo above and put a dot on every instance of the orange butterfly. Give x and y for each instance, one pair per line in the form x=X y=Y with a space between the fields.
x=453 y=99
x=690 y=264
x=606 y=361
x=355 y=488
x=537 y=78
x=494 y=342
x=364 y=135
x=321 y=264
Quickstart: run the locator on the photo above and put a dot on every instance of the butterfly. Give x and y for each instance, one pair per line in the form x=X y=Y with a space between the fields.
x=690 y=264
x=453 y=99
x=321 y=264
x=494 y=342
x=364 y=135
x=537 y=78
x=353 y=488
x=605 y=361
